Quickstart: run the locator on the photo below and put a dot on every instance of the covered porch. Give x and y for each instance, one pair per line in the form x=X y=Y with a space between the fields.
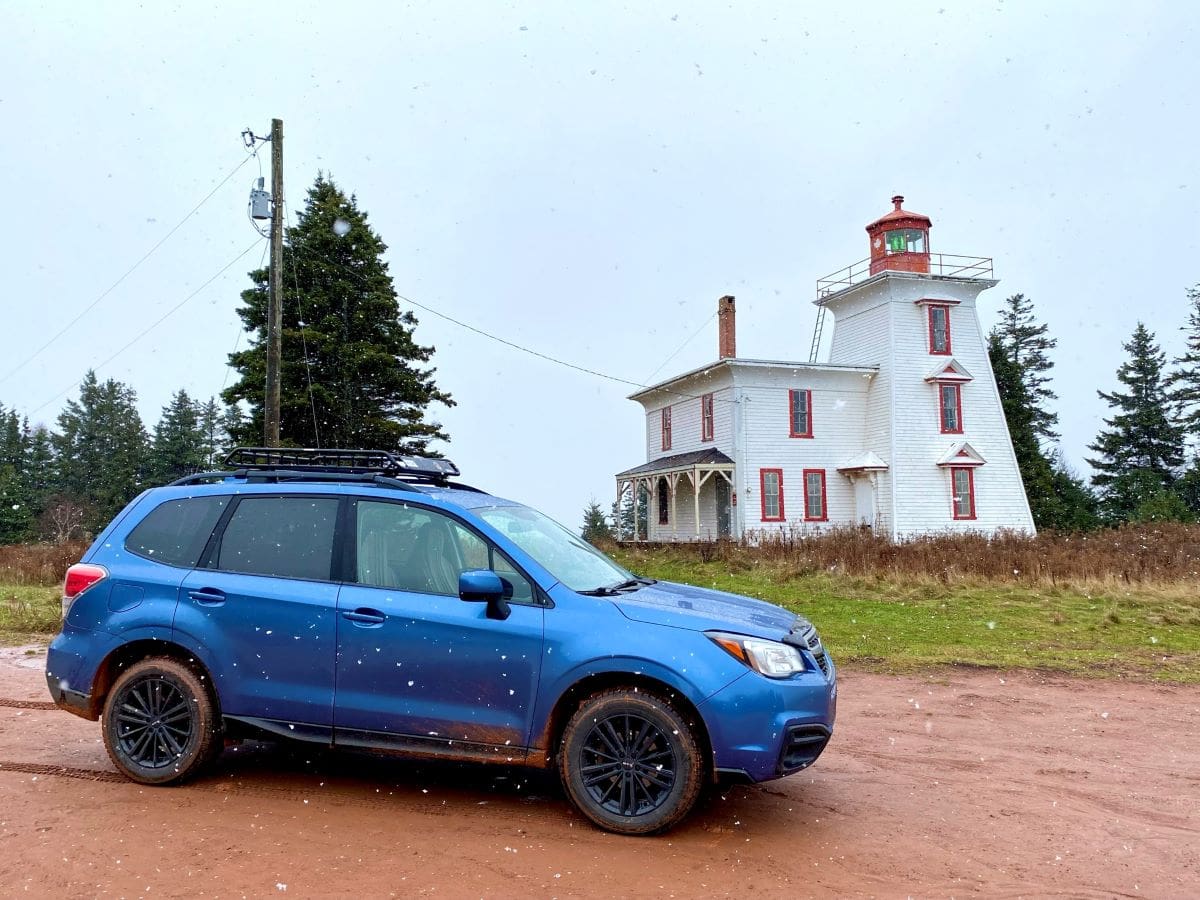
x=685 y=497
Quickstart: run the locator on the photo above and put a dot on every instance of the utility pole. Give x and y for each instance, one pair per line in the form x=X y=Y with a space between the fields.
x=275 y=297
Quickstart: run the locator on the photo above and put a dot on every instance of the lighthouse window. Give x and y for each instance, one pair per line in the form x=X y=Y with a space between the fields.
x=963 y=484
x=905 y=240
x=939 y=329
x=951 y=408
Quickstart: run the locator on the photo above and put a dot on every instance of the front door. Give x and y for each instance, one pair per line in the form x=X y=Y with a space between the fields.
x=724 y=517
x=417 y=667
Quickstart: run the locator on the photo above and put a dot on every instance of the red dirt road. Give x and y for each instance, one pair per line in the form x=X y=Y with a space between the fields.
x=957 y=783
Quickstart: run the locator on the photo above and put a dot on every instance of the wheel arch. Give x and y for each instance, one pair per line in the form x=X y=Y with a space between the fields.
x=127 y=654
x=547 y=745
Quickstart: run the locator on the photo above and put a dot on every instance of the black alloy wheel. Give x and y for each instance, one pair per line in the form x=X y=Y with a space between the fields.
x=628 y=765
x=159 y=722
x=631 y=762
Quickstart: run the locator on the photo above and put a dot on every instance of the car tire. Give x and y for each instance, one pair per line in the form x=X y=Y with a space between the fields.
x=631 y=762
x=160 y=722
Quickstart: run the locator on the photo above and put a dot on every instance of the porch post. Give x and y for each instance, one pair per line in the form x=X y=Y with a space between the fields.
x=636 y=492
x=696 y=497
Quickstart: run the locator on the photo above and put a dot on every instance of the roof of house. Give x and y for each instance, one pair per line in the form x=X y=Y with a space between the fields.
x=755 y=363
x=710 y=456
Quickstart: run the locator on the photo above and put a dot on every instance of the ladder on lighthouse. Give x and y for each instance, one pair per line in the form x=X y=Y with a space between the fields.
x=817 y=330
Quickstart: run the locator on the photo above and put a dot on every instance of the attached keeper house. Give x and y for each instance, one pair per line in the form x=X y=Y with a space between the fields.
x=899 y=430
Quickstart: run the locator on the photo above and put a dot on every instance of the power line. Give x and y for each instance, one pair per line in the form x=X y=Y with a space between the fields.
x=112 y=287
x=694 y=334
x=145 y=331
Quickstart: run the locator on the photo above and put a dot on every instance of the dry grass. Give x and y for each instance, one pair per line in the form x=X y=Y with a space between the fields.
x=38 y=564
x=1132 y=554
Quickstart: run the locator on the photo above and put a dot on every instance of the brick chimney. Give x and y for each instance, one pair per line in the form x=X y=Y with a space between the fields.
x=726 y=328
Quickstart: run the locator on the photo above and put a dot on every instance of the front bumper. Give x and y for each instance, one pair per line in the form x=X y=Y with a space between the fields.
x=762 y=728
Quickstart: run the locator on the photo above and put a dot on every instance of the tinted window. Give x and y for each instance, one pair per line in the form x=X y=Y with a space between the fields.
x=175 y=532
x=289 y=537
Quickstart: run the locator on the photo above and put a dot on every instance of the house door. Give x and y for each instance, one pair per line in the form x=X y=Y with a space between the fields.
x=864 y=501
x=724 y=519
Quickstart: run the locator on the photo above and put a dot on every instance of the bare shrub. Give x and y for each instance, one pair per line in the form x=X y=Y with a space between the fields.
x=38 y=563
x=1142 y=553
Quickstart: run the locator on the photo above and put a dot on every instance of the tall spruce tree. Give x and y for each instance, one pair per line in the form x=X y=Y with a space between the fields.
x=1183 y=383
x=352 y=373
x=17 y=512
x=1140 y=452
x=1027 y=345
x=178 y=447
x=101 y=449
x=1056 y=498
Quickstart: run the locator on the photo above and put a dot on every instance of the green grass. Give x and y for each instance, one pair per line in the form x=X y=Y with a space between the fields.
x=1147 y=631
x=28 y=612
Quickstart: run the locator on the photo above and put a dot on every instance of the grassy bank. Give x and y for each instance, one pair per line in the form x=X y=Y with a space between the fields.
x=1109 y=628
x=28 y=612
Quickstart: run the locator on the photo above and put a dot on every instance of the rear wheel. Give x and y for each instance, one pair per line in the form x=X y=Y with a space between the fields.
x=630 y=762
x=160 y=723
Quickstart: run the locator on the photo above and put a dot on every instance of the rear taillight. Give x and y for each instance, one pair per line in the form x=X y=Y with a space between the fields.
x=80 y=577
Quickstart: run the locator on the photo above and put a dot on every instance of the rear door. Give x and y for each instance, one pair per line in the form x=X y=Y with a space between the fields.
x=417 y=667
x=263 y=608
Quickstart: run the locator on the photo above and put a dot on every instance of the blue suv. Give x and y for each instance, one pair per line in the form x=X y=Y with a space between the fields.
x=360 y=599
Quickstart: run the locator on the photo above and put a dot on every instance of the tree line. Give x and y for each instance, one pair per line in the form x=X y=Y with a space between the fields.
x=352 y=376
x=1145 y=460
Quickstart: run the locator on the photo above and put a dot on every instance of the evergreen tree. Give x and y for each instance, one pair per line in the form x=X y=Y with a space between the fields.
x=623 y=517
x=1056 y=498
x=1026 y=345
x=1140 y=452
x=1184 y=381
x=212 y=434
x=101 y=449
x=178 y=448
x=595 y=525
x=340 y=311
x=16 y=496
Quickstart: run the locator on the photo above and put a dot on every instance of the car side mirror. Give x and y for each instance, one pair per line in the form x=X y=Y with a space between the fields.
x=485 y=586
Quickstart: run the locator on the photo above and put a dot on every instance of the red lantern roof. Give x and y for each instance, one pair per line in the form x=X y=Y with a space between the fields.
x=901 y=217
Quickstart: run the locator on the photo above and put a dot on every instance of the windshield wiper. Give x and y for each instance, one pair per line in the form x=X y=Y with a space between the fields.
x=631 y=584
x=599 y=592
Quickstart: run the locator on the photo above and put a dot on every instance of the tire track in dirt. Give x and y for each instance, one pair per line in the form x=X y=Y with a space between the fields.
x=62 y=771
x=26 y=704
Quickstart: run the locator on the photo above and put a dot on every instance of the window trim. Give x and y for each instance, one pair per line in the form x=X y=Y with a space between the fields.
x=665 y=424
x=824 y=517
x=957 y=388
x=970 y=470
x=707 y=418
x=945 y=307
x=762 y=495
x=808 y=413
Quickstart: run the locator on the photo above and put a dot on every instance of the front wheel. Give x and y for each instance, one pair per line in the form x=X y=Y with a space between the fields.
x=159 y=722
x=630 y=762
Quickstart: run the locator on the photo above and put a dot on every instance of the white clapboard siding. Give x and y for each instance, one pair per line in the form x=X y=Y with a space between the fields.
x=685 y=420
x=839 y=405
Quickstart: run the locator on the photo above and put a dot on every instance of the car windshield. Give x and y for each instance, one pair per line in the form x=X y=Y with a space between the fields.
x=565 y=555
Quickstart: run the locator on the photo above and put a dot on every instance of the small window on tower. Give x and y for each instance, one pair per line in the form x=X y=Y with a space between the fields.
x=963 y=485
x=939 y=330
x=950 y=408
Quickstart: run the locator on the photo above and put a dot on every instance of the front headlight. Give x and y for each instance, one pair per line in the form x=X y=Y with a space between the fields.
x=770 y=658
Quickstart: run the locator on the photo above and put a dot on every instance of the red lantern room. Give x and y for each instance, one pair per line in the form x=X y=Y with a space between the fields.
x=900 y=241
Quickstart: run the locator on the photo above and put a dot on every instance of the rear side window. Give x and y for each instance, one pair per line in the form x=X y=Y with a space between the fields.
x=175 y=532
x=287 y=537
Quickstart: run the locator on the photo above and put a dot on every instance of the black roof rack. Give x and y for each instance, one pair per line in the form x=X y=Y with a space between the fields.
x=359 y=462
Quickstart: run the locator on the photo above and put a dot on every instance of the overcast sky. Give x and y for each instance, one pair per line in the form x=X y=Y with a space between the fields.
x=586 y=179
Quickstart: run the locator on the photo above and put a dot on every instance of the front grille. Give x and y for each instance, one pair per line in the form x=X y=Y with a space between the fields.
x=802 y=744
x=804 y=634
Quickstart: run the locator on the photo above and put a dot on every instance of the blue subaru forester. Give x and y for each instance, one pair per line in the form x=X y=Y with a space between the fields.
x=360 y=599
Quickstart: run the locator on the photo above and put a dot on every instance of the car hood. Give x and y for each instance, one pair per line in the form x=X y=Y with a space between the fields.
x=684 y=606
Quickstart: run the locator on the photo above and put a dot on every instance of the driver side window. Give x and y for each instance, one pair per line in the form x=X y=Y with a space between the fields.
x=409 y=548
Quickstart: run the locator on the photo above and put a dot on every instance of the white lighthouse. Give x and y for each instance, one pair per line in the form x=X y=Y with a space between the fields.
x=900 y=429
